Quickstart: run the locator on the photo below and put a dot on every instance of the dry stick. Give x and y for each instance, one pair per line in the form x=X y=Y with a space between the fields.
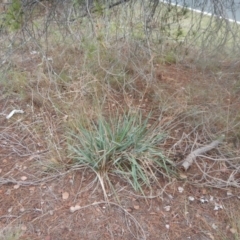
x=192 y=156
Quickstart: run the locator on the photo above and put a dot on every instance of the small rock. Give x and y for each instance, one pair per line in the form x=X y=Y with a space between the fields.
x=217 y=207
x=203 y=200
x=73 y=209
x=22 y=209
x=191 y=199
x=10 y=209
x=23 y=178
x=167 y=208
x=65 y=195
x=214 y=226
x=180 y=189
x=229 y=193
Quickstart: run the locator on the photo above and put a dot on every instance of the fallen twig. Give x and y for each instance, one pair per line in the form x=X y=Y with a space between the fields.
x=13 y=112
x=192 y=156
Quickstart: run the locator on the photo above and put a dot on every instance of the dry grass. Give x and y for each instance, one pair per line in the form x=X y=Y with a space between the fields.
x=72 y=79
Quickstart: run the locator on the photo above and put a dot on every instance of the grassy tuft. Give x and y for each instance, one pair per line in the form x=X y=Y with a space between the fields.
x=126 y=145
x=10 y=234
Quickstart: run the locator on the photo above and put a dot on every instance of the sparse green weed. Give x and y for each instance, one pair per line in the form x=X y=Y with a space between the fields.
x=124 y=145
x=14 y=15
x=15 y=82
x=170 y=58
x=10 y=234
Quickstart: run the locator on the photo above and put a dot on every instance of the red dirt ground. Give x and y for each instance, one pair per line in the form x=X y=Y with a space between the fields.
x=37 y=199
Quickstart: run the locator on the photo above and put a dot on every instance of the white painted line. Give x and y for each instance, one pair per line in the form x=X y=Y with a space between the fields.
x=199 y=11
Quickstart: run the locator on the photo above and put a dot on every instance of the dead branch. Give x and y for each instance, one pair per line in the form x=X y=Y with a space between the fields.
x=192 y=156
